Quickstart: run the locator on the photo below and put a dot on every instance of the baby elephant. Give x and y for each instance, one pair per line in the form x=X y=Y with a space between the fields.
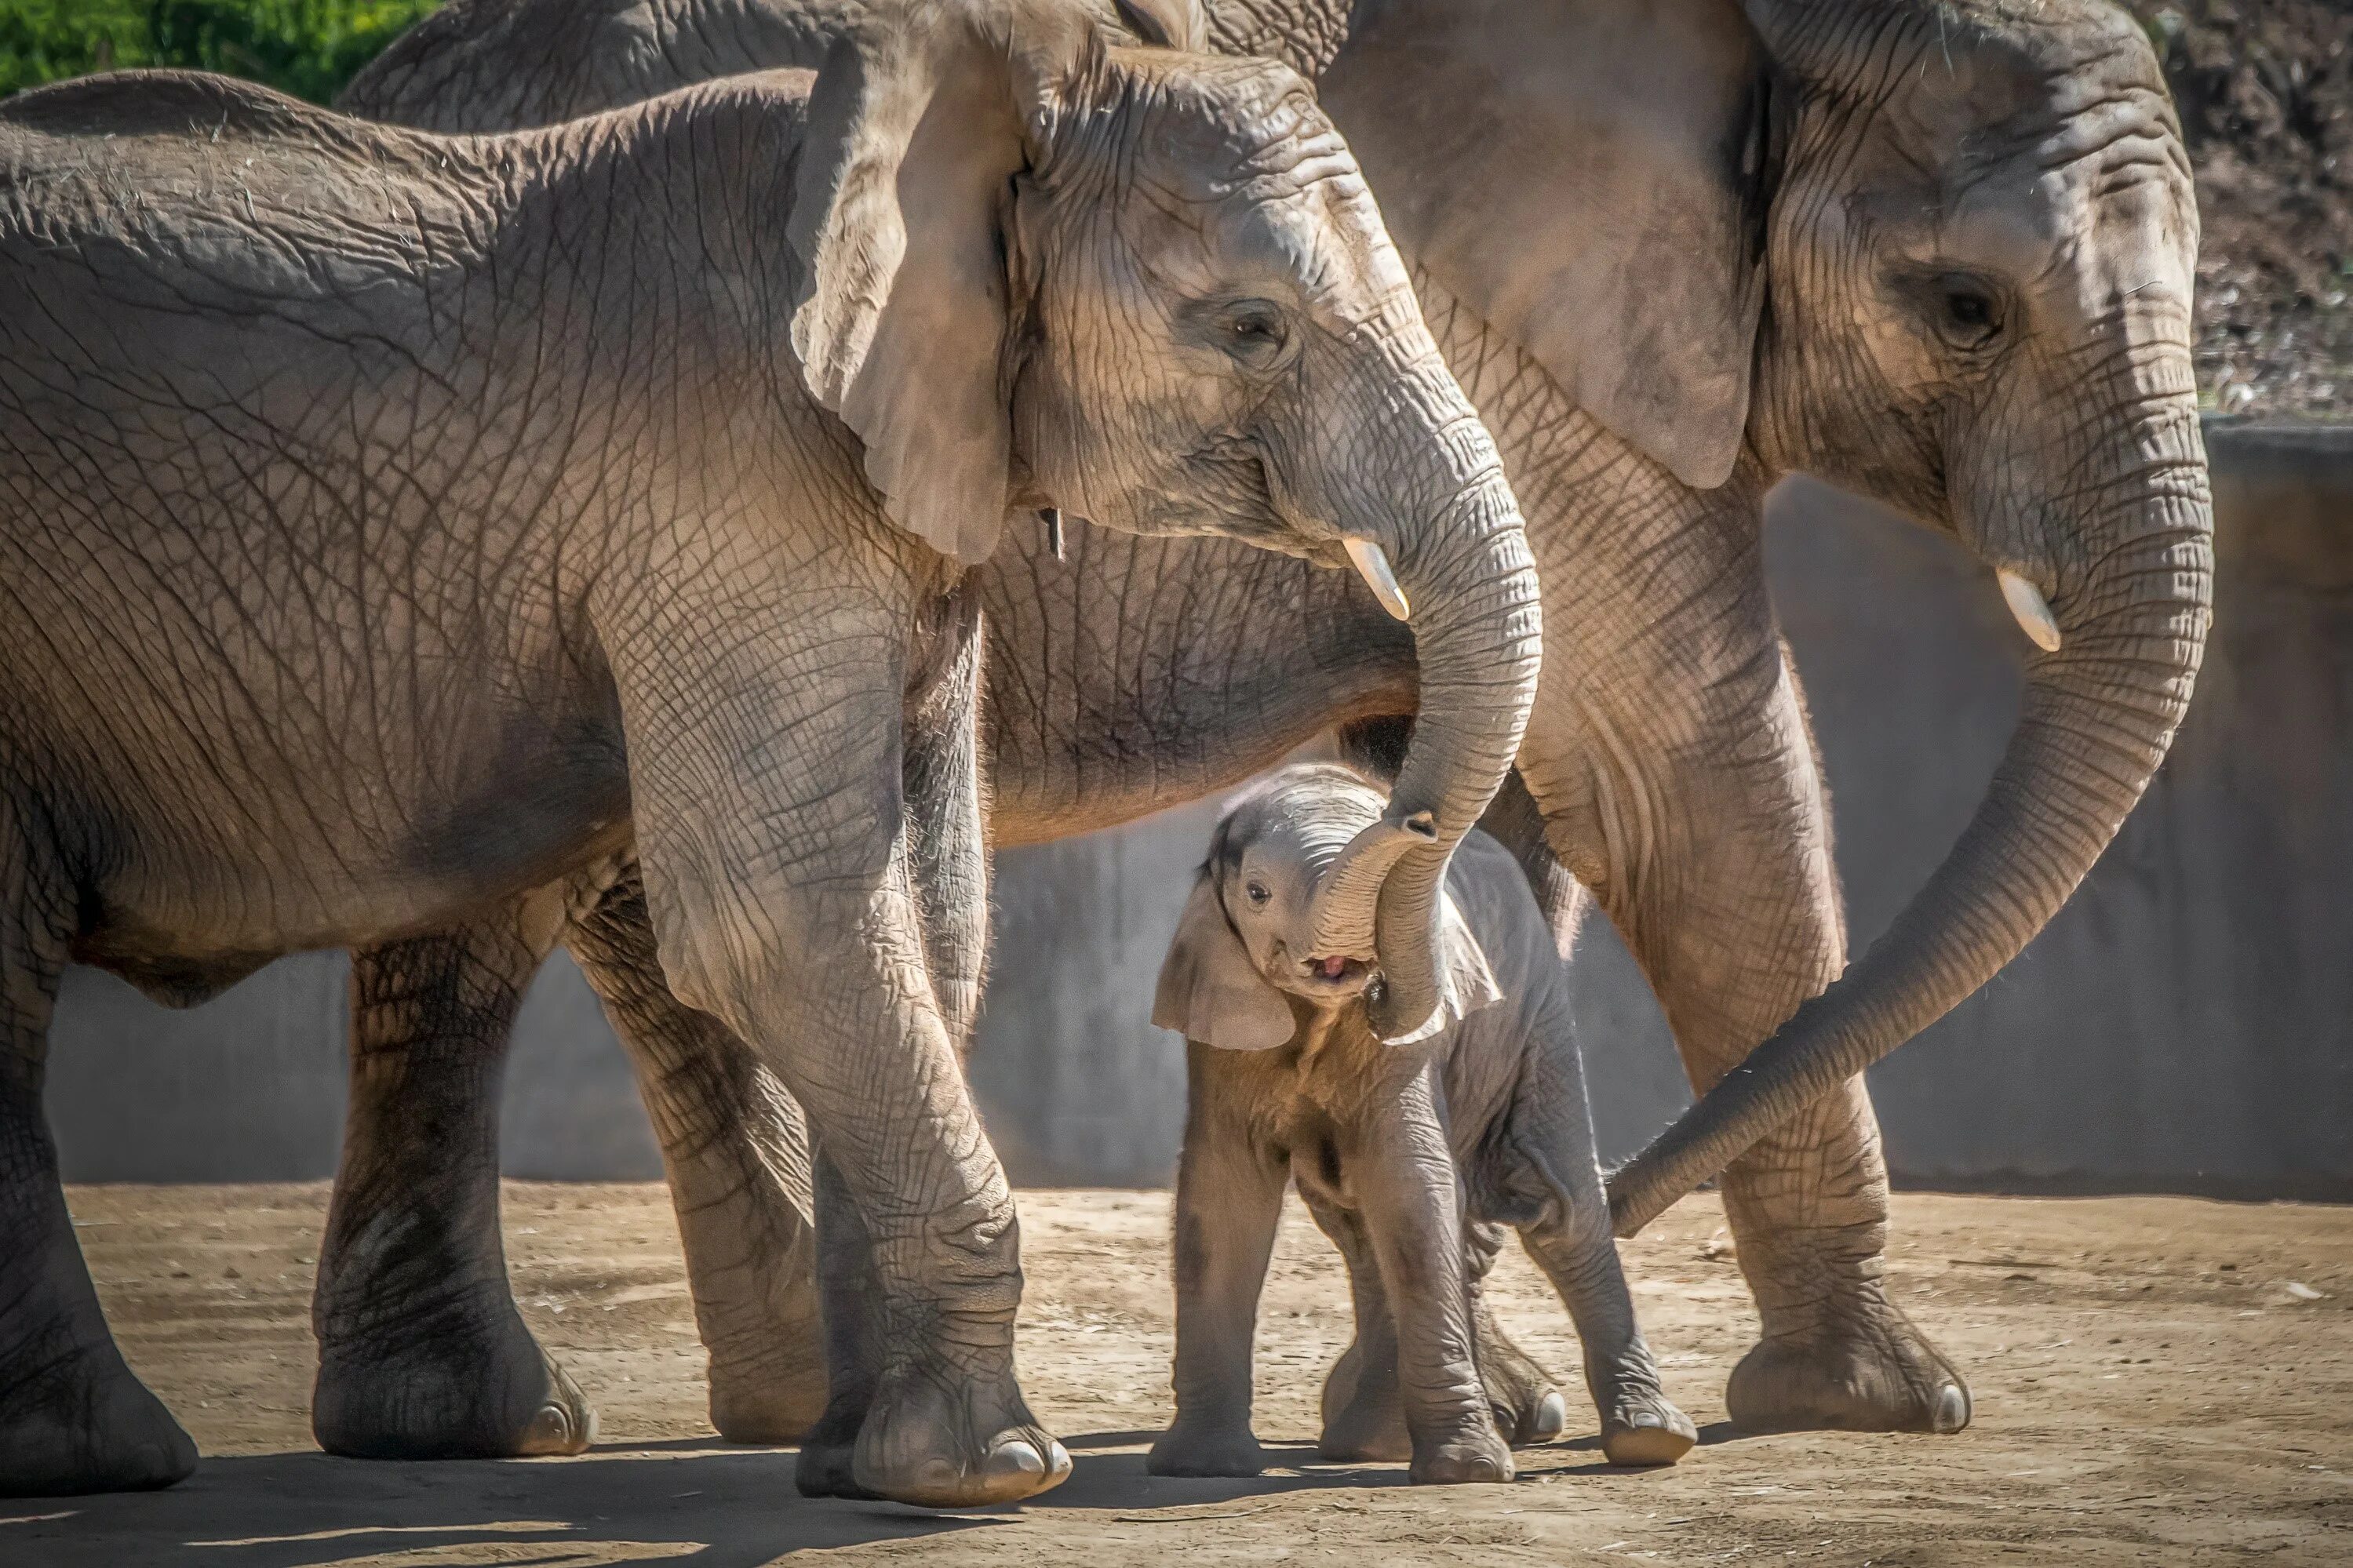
x=1389 y=1143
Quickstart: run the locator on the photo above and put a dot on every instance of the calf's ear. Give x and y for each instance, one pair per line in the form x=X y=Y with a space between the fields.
x=1210 y=990
x=1465 y=983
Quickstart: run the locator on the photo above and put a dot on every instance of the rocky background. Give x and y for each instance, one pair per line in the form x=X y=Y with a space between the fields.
x=2265 y=89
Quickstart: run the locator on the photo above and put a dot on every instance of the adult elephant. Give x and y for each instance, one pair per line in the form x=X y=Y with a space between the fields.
x=1938 y=252
x=398 y=526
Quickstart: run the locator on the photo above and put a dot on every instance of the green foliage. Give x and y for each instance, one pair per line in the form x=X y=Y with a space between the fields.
x=308 y=47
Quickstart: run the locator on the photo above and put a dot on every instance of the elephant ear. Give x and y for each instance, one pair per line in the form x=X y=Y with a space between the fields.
x=1588 y=178
x=920 y=120
x=1210 y=990
x=1465 y=983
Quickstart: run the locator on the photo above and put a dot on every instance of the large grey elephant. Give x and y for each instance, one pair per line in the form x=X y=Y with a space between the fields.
x=400 y=526
x=1937 y=251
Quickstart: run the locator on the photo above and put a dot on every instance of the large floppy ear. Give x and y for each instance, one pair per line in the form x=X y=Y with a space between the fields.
x=920 y=120
x=1166 y=23
x=1465 y=983
x=1210 y=990
x=1589 y=178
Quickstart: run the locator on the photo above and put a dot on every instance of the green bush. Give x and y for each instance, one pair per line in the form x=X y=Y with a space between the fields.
x=308 y=47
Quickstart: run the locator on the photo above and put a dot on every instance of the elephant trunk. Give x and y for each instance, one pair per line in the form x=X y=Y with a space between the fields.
x=2099 y=713
x=1477 y=628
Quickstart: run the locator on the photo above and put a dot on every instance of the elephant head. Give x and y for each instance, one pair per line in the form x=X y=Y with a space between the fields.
x=1937 y=251
x=1044 y=271
x=1252 y=934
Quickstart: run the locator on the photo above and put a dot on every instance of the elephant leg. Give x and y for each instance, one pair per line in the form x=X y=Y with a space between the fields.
x=941 y=783
x=422 y=1354
x=1551 y=1175
x=1399 y=1168
x=772 y=839
x=1363 y=1415
x=1527 y=1404
x=1229 y=1203
x=73 y=1417
x=736 y=1149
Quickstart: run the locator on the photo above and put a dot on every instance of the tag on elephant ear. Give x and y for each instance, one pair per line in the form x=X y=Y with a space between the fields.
x=1465 y=982
x=1588 y=180
x=1166 y=23
x=917 y=126
x=1210 y=990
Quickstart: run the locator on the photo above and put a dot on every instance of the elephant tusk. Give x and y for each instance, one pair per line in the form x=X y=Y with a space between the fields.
x=1373 y=565
x=2033 y=610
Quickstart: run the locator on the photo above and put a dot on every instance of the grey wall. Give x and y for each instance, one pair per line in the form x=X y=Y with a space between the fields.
x=2182 y=1026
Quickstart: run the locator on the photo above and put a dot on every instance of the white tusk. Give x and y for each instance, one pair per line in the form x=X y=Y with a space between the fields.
x=2033 y=610
x=1373 y=567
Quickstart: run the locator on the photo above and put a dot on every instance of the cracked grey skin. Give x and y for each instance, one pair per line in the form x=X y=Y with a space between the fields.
x=1674 y=249
x=404 y=531
x=1396 y=1149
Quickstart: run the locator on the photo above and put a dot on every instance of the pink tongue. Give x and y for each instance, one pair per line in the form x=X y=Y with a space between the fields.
x=1334 y=967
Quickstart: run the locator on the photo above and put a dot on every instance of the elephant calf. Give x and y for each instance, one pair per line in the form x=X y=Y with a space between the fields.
x=1485 y=1106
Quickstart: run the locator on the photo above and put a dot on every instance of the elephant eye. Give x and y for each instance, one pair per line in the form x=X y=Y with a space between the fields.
x=1967 y=312
x=1258 y=892
x=1253 y=333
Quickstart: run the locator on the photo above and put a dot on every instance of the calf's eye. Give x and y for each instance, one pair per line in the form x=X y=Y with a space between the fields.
x=1258 y=892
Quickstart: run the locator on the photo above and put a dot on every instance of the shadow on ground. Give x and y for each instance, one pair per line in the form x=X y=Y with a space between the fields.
x=722 y=1507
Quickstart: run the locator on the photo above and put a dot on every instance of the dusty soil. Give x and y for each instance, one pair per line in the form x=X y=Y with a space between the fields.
x=2158 y=1380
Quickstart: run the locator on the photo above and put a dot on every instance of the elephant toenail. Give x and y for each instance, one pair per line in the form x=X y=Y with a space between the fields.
x=550 y=1430
x=1058 y=1461
x=1952 y=1408
x=1551 y=1418
x=1016 y=1458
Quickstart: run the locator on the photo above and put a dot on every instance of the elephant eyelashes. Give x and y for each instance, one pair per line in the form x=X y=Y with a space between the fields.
x=1257 y=892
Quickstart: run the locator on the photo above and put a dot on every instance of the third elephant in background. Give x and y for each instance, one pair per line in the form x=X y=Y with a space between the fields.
x=1938 y=252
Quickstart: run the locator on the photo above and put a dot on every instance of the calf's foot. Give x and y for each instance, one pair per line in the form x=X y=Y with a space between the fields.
x=1206 y=1449
x=1644 y=1428
x=80 y=1422
x=1468 y=1457
x=1528 y=1406
x=478 y=1387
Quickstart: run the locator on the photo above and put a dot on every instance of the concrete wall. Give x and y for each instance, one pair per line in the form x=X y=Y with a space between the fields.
x=2186 y=1024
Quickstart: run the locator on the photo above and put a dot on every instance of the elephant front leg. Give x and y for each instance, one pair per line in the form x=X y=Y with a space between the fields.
x=73 y=1417
x=1399 y=1168
x=1721 y=883
x=1229 y=1203
x=422 y=1354
x=735 y=1148
x=775 y=857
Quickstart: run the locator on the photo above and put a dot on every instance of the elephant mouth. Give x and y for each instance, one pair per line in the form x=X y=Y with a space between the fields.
x=1334 y=977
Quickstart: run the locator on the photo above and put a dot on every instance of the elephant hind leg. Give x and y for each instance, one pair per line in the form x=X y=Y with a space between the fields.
x=73 y=1417
x=737 y=1149
x=422 y=1354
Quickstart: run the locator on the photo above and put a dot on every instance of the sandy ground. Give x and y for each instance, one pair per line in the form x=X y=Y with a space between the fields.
x=2159 y=1381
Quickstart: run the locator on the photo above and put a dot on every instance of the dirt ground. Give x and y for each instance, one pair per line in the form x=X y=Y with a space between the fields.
x=2159 y=1381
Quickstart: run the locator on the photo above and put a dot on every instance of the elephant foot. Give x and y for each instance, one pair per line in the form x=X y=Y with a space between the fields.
x=1478 y=1455
x=1204 y=1448
x=768 y=1404
x=493 y=1395
x=828 y=1463
x=1644 y=1428
x=1363 y=1420
x=1528 y=1406
x=84 y=1423
x=1876 y=1373
x=944 y=1434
